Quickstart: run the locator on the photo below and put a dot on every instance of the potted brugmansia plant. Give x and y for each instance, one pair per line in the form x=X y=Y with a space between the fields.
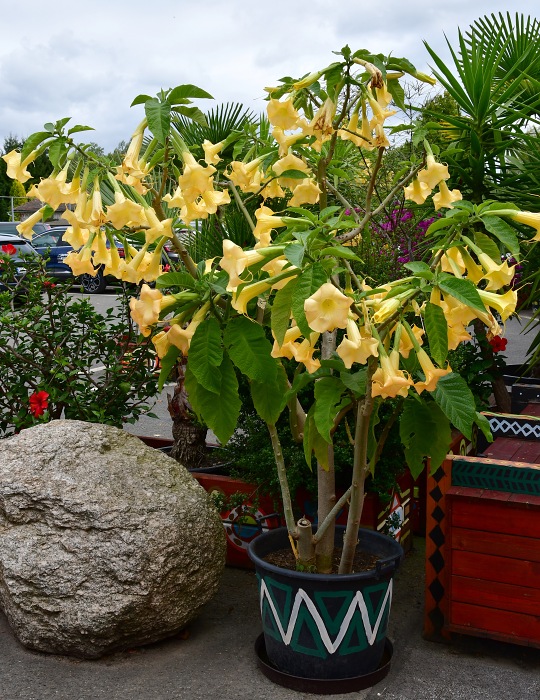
x=293 y=310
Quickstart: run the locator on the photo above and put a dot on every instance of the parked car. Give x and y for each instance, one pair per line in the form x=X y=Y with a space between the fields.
x=10 y=228
x=15 y=249
x=51 y=245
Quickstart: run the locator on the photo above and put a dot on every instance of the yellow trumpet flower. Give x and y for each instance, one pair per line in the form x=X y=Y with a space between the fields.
x=24 y=229
x=388 y=380
x=357 y=345
x=327 y=309
x=433 y=173
x=417 y=191
x=497 y=275
x=16 y=169
x=282 y=114
x=432 y=374
x=445 y=197
x=307 y=192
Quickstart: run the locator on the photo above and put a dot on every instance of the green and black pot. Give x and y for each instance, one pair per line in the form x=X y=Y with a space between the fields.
x=325 y=626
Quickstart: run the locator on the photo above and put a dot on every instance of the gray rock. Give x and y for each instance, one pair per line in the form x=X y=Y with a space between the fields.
x=105 y=543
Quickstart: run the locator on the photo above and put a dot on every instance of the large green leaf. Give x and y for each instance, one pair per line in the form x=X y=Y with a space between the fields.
x=503 y=231
x=33 y=141
x=281 y=311
x=355 y=381
x=425 y=432
x=269 y=397
x=193 y=113
x=158 y=115
x=250 y=349
x=487 y=245
x=295 y=254
x=206 y=355
x=176 y=279
x=167 y=363
x=437 y=332
x=181 y=92
x=462 y=290
x=306 y=284
x=328 y=394
x=457 y=402
x=219 y=413
x=314 y=443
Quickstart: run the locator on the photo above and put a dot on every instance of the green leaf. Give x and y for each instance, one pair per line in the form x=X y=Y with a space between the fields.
x=193 y=113
x=457 y=401
x=504 y=232
x=420 y=269
x=250 y=349
x=140 y=99
x=483 y=424
x=269 y=397
x=340 y=251
x=190 y=91
x=33 y=141
x=462 y=290
x=295 y=254
x=328 y=394
x=206 y=355
x=397 y=92
x=220 y=414
x=167 y=363
x=355 y=381
x=438 y=225
x=425 y=432
x=58 y=152
x=80 y=127
x=314 y=443
x=311 y=279
x=281 y=311
x=158 y=115
x=487 y=245
x=49 y=127
x=176 y=279
x=437 y=332
x=47 y=212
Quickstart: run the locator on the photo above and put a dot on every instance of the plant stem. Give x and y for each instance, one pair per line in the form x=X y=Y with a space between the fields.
x=326 y=485
x=360 y=469
x=283 y=483
x=241 y=206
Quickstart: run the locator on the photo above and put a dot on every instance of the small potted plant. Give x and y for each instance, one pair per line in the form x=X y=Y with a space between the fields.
x=298 y=291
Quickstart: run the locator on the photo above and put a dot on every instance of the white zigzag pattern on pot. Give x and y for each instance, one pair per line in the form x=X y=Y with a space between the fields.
x=331 y=647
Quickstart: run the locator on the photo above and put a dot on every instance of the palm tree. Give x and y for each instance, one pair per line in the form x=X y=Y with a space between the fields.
x=494 y=78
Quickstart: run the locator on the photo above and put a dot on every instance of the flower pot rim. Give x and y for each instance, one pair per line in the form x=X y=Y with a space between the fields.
x=383 y=568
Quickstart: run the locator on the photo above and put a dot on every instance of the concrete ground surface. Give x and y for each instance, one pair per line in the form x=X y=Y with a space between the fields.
x=215 y=657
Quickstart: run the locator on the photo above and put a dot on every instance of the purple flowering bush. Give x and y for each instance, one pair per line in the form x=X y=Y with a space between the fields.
x=396 y=238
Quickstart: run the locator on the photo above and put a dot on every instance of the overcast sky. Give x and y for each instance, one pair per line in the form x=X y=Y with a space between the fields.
x=89 y=60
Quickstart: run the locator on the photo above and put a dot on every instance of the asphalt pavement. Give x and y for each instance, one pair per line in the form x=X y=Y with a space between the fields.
x=215 y=657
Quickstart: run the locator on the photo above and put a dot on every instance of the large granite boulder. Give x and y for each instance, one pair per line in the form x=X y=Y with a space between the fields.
x=105 y=543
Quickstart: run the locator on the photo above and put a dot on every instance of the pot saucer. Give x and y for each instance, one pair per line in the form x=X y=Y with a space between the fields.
x=322 y=686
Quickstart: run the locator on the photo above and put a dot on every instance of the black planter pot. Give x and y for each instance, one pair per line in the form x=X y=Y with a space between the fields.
x=325 y=626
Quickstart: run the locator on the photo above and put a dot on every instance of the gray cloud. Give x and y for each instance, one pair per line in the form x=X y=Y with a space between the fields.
x=89 y=63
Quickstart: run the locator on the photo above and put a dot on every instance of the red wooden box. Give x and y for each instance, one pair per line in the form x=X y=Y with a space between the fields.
x=494 y=564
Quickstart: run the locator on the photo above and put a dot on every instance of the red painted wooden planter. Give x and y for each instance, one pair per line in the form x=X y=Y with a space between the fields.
x=259 y=513
x=483 y=539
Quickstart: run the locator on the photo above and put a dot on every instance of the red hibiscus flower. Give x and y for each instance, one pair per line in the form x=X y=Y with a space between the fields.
x=9 y=248
x=39 y=402
x=498 y=344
